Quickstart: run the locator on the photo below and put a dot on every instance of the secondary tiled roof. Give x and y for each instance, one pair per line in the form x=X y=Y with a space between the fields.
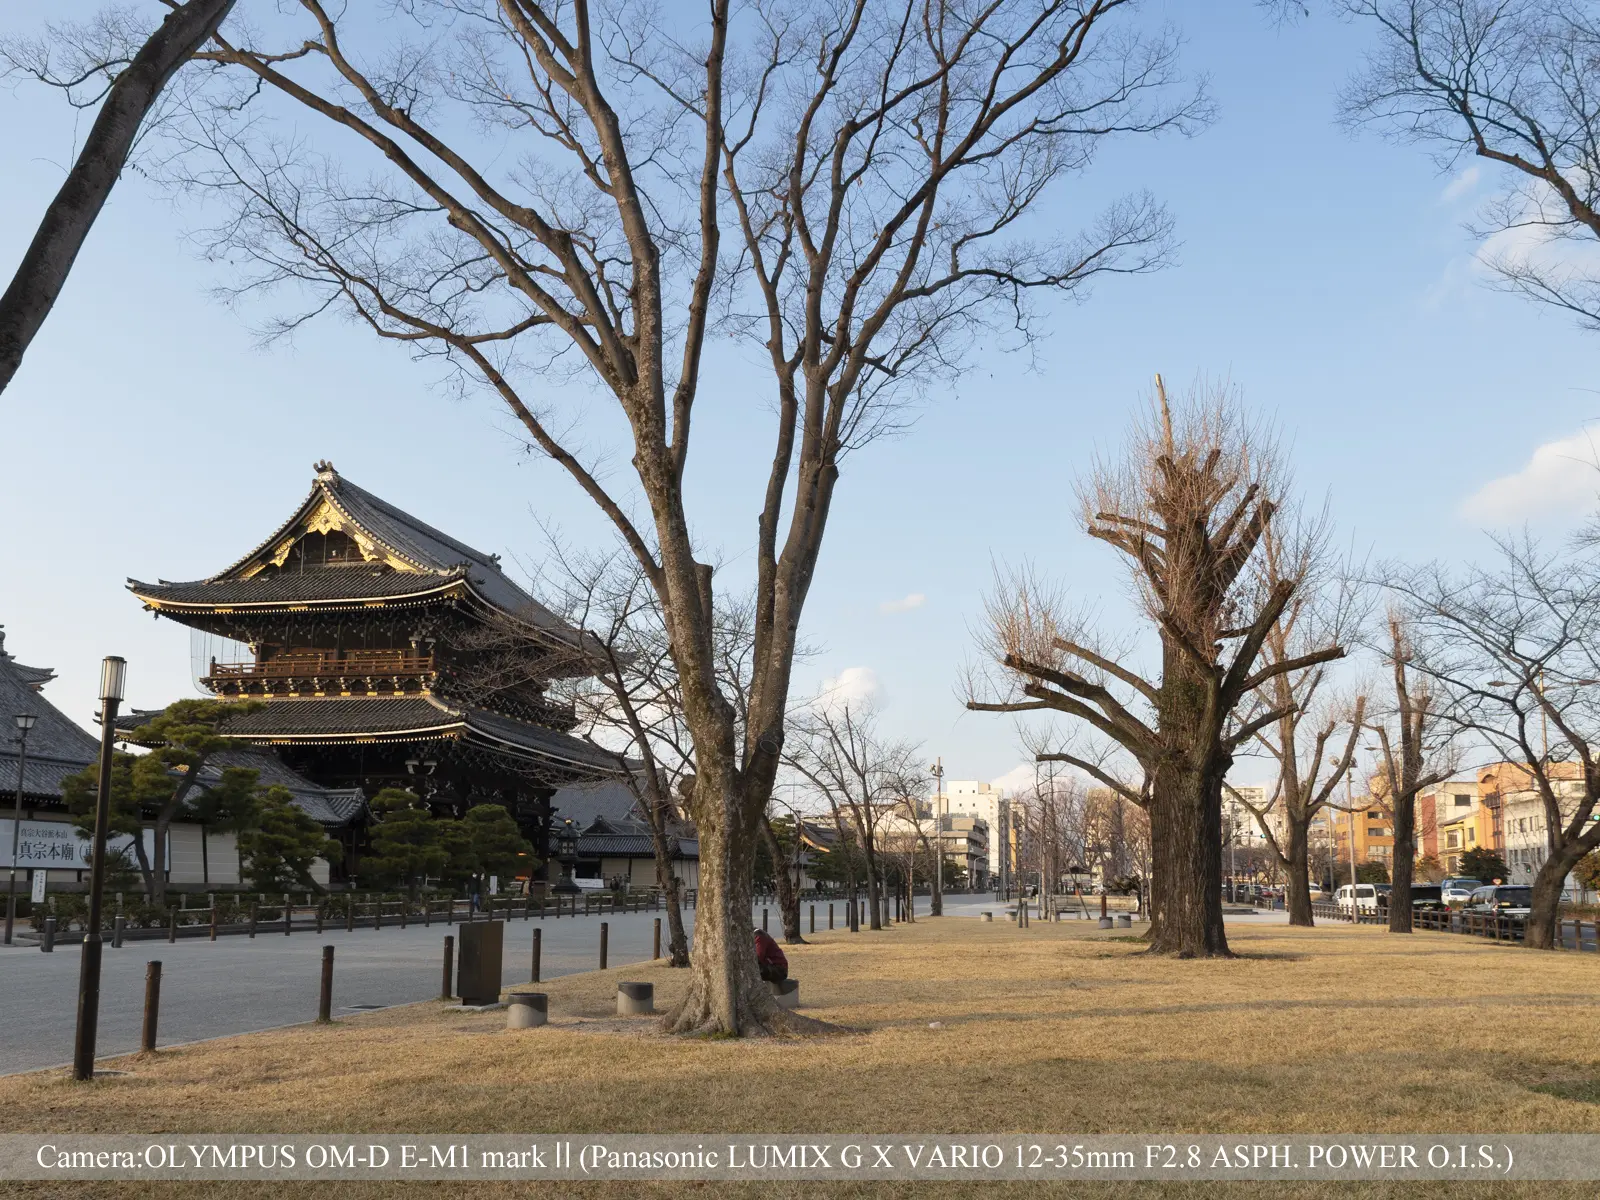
x=329 y=585
x=57 y=747
x=331 y=720
x=629 y=839
x=331 y=807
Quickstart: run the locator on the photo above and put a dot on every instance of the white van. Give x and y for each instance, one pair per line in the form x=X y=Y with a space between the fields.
x=1365 y=899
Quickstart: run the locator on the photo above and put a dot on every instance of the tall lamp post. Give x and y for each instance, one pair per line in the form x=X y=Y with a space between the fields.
x=936 y=909
x=113 y=680
x=25 y=722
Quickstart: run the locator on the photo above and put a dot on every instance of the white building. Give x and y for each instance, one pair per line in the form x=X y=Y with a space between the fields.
x=971 y=797
x=1526 y=838
x=1239 y=824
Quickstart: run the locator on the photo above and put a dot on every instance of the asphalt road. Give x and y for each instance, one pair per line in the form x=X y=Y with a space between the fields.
x=238 y=984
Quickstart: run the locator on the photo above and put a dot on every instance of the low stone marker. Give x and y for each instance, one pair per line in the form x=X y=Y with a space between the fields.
x=527 y=1010
x=635 y=999
x=1124 y=922
x=988 y=916
x=786 y=993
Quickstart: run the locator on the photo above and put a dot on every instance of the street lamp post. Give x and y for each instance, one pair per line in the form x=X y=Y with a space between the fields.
x=113 y=680
x=25 y=722
x=937 y=907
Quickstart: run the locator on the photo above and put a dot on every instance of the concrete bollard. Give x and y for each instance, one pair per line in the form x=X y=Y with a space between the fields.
x=1124 y=922
x=527 y=1010
x=152 y=1005
x=989 y=916
x=786 y=993
x=636 y=999
x=47 y=935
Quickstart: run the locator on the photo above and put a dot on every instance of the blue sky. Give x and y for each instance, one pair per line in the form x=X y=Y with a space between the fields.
x=1327 y=275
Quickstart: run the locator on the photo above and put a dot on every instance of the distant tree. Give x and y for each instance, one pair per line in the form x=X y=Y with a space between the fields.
x=1587 y=872
x=1484 y=864
x=1372 y=871
x=484 y=842
x=129 y=88
x=172 y=782
x=1430 y=869
x=407 y=845
x=281 y=843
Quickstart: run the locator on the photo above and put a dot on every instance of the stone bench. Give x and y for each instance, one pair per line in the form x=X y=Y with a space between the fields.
x=786 y=993
x=527 y=1010
x=636 y=999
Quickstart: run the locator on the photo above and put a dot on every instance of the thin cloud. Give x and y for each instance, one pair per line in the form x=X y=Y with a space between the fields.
x=1464 y=184
x=853 y=687
x=904 y=604
x=1561 y=479
x=1017 y=780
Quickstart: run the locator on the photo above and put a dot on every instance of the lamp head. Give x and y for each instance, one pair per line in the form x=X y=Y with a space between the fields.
x=113 y=678
x=25 y=722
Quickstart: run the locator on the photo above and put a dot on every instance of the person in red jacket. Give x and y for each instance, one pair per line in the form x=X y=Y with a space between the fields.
x=769 y=957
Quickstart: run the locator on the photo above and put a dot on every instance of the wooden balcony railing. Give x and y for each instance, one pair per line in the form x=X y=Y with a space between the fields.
x=355 y=670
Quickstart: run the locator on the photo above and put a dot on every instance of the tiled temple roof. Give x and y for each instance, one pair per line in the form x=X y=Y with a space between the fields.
x=57 y=746
x=411 y=559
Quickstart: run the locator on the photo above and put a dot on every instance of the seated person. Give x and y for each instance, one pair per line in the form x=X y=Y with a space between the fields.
x=774 y=966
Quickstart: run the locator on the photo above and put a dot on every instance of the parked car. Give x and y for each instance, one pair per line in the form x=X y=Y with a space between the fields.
x=1502 y=900
x=1423 y=896
x=1366 y=896
x=1458 y=889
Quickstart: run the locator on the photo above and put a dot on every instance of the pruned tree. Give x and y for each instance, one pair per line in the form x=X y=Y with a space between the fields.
x=281 y=844
x=1324 y=610
x=1416 y=750
x=1512 y=651
x=1516 y=84
x=1187 y=508
x=113 y=65
x=875 y=165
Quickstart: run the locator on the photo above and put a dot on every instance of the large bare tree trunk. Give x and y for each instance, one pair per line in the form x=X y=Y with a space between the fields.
x=1297 y=865
x=1545 y=910
x=1186 y=834
x=1405 y=862
x=672 y=900
x=48 y=261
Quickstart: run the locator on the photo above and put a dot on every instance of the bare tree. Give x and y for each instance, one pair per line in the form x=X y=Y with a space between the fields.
x=1513 y=652
x=837 y=748
x=101 y=67
x=1187 y=508
x=1516 y=83
x=876 y=162
x=1321 y=613
x=1415 y=751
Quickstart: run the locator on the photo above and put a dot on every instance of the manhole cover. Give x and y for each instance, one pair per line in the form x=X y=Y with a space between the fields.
x=362 y=1007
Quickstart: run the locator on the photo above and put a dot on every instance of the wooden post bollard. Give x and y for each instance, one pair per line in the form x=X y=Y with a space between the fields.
x=116 y=932
x=449 y=967
x=152 y=1005
x=377 y=916
x=427 y=914
x=252 y=920
x=1103 y=912
x=450 y=911
x=172 y=926
x=656 y=952
x=288 y=916
x=538 y=942
x=47 y=938
x=405 y=906
x=830 y=916
x=813 y=918
x=605 y=930
x=322 y=912
x=213 y=920
x=325 y=997
x=763 y=920
x=349 y=914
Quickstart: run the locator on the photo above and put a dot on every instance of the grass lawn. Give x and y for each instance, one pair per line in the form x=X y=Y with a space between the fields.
x=1051 y=1029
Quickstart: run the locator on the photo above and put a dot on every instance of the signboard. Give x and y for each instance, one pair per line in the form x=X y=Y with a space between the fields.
x=56 y=846
x=38 y=887
x=494 y=885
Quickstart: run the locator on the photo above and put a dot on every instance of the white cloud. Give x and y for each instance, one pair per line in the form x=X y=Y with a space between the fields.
x=1017 y=780
x=853 y=687
x=1463 y=184
x=904 y=604
x=1561 y=479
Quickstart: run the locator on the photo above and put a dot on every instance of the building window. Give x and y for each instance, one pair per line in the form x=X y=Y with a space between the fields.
x=1463 y=801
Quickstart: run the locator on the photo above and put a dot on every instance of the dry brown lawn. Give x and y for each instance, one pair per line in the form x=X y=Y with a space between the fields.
x=951 y=1026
